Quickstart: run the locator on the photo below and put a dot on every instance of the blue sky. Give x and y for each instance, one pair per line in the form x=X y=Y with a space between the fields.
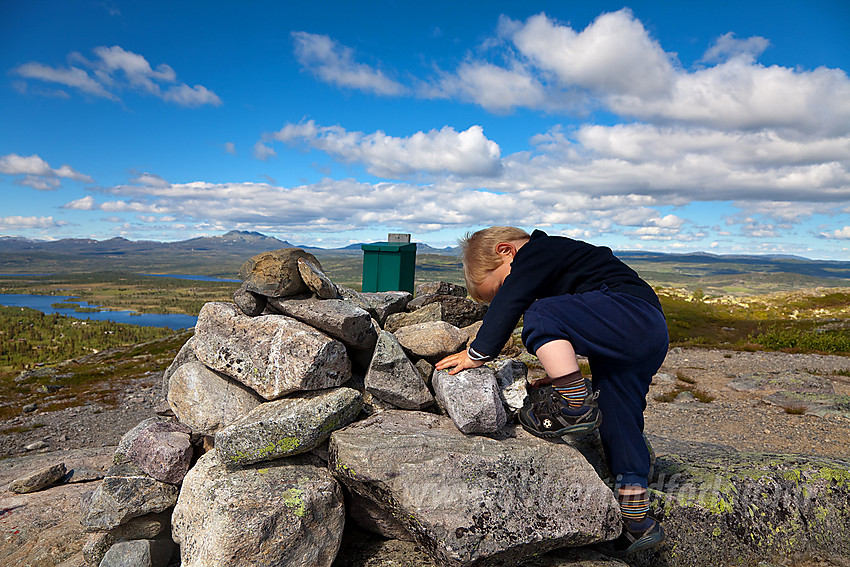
x=670 y=126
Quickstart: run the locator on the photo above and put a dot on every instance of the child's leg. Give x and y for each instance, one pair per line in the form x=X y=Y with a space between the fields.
x=558 y=359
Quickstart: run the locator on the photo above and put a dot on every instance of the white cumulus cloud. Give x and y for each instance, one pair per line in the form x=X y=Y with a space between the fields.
x=468 y=152
x=19 y=222
x=33 y=171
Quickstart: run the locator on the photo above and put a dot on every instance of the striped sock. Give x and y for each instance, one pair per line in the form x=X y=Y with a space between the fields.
x=572 y=388
x=634 y=507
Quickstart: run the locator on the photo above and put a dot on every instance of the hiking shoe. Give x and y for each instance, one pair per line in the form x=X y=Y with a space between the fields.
x=637 y=536
x=547 y=414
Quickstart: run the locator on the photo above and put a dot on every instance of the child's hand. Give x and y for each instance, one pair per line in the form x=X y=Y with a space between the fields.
x=459 y=361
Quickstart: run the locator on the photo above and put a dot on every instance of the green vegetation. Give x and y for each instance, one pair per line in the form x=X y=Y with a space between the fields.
x=29 y=337
x=802 y=340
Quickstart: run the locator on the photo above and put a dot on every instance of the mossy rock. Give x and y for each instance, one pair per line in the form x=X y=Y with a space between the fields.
x=720 y=506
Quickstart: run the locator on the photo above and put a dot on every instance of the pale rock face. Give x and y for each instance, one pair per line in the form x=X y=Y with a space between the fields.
x=273 y=355
x=285 y=512
x=207 y=400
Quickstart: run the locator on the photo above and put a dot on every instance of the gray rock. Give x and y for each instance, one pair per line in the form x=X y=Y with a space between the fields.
x=685 y=397
x=380 y=305
x=273 y=354
x=788 y=380
x=207 y=400
x=431 y=340
x=428 y=314
x=340 y=319
x=82 y=474
x=812 y=403
x=275 y=273
x=38 y=480
x=288 y=426
x=163 y=450
x=474 y=500
x=426 y=370
x=126 y=493
x=36 y=446
x=279 y=513
x=511 y=375
x=393 y=378
x=250 y=303
x=440 y=288
x=140 y=553
x=29 y=408
x=316 y=280
x=145 y=527
x=471 y=398
x=373 y=404
x=185 y=355
x=373 y=518
x=723 y=507
x=459 y=311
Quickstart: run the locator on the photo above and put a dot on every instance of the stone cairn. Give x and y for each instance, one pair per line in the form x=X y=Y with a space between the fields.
x=304 y=405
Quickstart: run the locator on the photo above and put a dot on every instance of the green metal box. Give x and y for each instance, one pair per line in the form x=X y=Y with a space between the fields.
x=388 y=266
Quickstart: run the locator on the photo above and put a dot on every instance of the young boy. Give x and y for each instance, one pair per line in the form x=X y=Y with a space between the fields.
x=575 y=298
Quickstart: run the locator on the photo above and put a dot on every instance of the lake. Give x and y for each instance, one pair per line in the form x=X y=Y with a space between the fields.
x=43 y=303
x=191 y=277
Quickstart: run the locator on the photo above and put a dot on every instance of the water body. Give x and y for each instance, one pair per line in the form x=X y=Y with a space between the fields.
x=191 y=277
x=43 y=303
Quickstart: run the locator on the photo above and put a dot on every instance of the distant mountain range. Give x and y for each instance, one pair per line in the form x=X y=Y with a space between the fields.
x=234 y=241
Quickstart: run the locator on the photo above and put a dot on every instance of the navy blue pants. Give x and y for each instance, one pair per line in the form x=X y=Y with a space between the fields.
x=625 y=341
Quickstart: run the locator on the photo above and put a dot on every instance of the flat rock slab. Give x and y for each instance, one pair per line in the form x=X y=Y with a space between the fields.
x=285 y=512
x=340 y=319
x=812 y=403
x=287 y=426
x=720 y=506
x=273 y=355
x=471 y=499
x=792 y=380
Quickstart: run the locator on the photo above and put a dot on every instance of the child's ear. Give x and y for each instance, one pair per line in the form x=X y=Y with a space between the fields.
x=505 y=248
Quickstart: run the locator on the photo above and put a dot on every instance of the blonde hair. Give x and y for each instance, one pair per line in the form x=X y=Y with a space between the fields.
x=478 y=251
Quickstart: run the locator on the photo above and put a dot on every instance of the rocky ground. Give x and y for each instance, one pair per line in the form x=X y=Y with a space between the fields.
x=740 y=418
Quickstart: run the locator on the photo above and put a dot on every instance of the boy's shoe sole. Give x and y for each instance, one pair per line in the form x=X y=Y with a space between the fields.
x=585 y=427
x=651 y=538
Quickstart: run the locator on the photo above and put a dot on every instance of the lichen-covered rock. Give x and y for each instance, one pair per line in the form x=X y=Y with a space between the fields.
x=275 y=273
x=431 y=340
x=340 y=319
x=470 y=500
x=720 y=506
x=288 y=426
x=789 y=380
x=207 y=400
x=393 y=378
x=284 y=512
x=471 y=398
x=273 y=355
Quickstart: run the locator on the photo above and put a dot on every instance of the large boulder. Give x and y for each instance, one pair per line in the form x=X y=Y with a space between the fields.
x=471 y=500
x=720 y=506
x=341 y=319
x=276 y=273
x=471 y=398
x=207 y=400
x=288 y=426
x=393 y=378
x=273 y=355
x=286 y=512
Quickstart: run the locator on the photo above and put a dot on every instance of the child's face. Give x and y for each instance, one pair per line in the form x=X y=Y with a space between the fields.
x=493 y=281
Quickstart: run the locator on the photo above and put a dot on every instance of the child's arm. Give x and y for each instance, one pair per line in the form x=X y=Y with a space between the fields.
x=460 y=361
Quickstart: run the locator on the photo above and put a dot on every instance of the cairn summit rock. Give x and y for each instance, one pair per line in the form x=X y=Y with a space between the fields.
x=273 y=355
x=474 y=500
x=276 y=273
